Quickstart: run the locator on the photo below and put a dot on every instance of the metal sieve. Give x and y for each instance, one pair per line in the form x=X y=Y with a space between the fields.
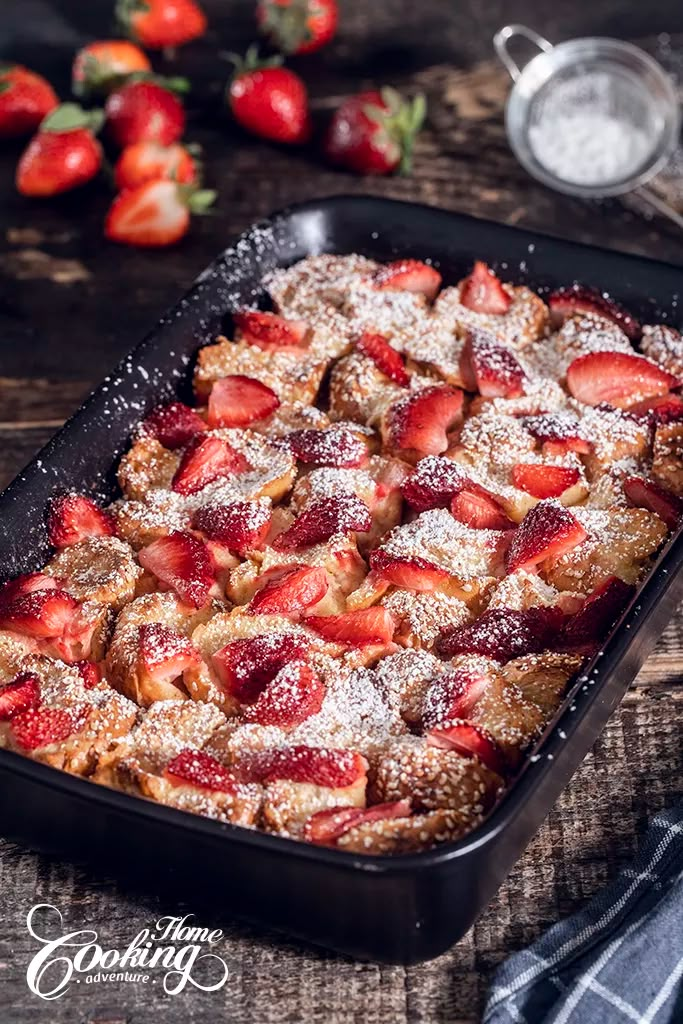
x=612 y=80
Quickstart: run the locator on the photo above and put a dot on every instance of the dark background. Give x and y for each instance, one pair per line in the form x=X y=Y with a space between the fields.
x=72 y=304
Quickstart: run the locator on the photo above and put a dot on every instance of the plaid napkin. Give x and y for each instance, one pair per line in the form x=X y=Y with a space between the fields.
x=619 y=959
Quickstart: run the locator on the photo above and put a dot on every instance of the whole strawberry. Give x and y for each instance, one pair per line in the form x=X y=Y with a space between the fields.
x=144 y=111
x=25 y=99
x=161 y=24
x=101 y=66
x=155 y=214
x=374 y=132
x=150 y=161
x=269 y=100
x=298 y=26
x=63 y=154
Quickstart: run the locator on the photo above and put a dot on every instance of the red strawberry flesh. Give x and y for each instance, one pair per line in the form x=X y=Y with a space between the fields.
x=336 y=446
x=320 y=766
x=173 y=425
x=321 y=520
x=237 y=401
x=294 y=695
x=241 y=526
x=578 y=299
x=183 y=564
x=544 y=481
x=591 y=624
x=558 y=433
x=366 y=626
x=434 y=483
x=246 y=666
x=165 y=653
x=409 y=573
x=643 y=493
x=44 y=614
x=41 y=727
x=73 y=517
x=197 y=768
x=482 y=292
x=479 y=509
x=547 y=530
x=617 y=378
x=19 y=695
x=453 y=695
x=408 y=275
x=291 y=591
x=490 y=368
x=470 y=740
x=504 y=634
x=422 y=420
x=384 y=356
x=204 y=460
x=27 y=583
x=325 y=827
x=268 y=330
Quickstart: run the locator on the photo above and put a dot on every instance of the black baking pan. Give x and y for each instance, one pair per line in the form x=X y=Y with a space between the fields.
x=402 y=909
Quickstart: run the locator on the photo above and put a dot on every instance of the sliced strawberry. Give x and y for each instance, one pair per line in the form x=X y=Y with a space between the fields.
x=180 y=562
x=268 y=330
x=453 y=695
x=647 y=494
x=617 y=378
x=44 y=614
x=384 y=356
x=76 y=642
x=173 y=425
x=566 y=301
x=408 y=276
x=19 y=695
x=41 y=727
x=241 y=526
x=204 y=460
x=290 y=591
x=164 y=652
x=295 y=694
x=325 y=827
x=470 y=740
x=197 y=768
x=73 y=517
x=558 y=433
x=336 y=446
x=543 y=481
x=434 y=483
x=548 y=530
x=237 y=401
x=245 y=667
x=409 y=573
x=323 y=519
x=659 y=411
x=595 y=618
x=366 y=626
x=422 y=420
x=90 y=673
x=320 y=766
x=483 y=292
x=504 y=633
x=28 y=583
x=490 y=368
x=478 y=508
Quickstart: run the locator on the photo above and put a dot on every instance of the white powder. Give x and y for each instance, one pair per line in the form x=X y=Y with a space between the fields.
x=587 y=147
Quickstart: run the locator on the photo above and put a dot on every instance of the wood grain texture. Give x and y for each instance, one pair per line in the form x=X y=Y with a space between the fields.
x=70 y=306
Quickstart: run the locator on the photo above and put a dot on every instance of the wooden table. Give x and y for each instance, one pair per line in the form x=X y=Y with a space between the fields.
x=70 y=305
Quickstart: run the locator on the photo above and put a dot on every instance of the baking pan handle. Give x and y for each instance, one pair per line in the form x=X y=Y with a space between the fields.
x=501 y=39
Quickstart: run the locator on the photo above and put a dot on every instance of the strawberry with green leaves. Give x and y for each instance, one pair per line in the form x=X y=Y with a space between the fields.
x=268 y=99
x=155 y=214
x=161 y=24
x=145 y=110
x=374 y=132
x=150 y=161
x=102 y=66
x=298 y=26
x=64 y=153
x=25 y=100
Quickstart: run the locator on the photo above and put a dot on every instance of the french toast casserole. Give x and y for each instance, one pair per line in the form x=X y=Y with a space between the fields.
x=341 y=596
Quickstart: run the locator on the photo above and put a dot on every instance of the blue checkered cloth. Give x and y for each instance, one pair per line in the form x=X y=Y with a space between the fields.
x=618 y=960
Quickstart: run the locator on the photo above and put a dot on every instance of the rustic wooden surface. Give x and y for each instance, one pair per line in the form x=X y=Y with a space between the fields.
x=71 y=305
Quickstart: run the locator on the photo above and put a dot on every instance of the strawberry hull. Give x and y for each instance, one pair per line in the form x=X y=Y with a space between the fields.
x=400 y=909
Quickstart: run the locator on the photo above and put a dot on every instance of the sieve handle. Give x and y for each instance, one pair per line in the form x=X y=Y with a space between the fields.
x=658 y=205
x=502 y=38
